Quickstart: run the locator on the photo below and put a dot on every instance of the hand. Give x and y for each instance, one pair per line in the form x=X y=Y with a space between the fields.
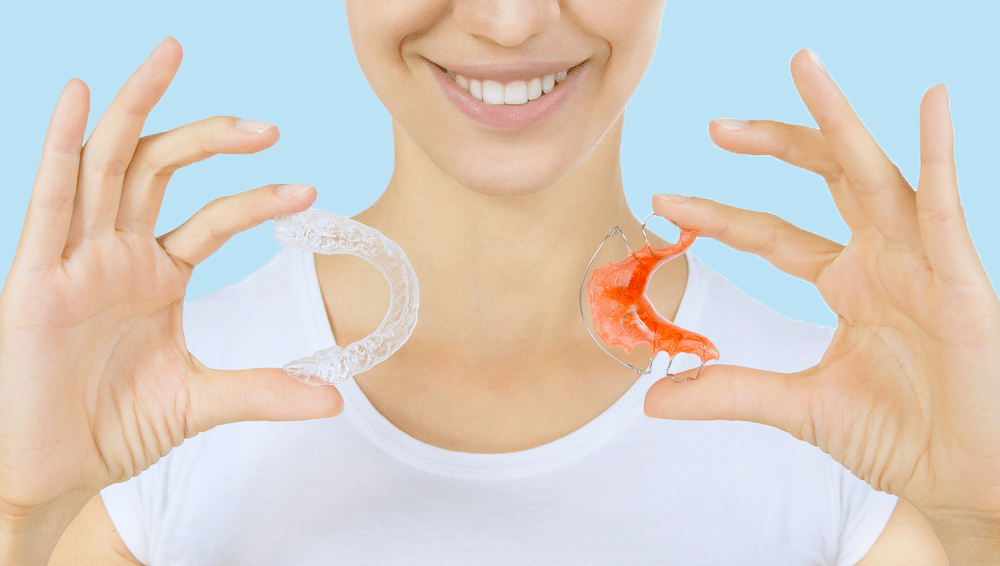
x=908 y=394
x=96 y=383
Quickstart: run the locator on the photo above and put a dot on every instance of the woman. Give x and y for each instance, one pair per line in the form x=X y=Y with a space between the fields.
x=500 y=432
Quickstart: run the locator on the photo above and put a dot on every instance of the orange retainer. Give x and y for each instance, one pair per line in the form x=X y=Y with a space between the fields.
x=624 y=317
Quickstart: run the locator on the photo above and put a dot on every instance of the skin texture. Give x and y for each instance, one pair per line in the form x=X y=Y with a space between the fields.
x=479 y=213
x=906 y=395
x=98 y=297
x=498 y=225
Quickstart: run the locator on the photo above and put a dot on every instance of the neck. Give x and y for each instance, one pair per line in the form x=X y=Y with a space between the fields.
x=499 y=286
x=500 y=271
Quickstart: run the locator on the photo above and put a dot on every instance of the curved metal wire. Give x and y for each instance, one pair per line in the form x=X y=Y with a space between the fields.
x=643 y=226
x=614 y=232
x=675 y=380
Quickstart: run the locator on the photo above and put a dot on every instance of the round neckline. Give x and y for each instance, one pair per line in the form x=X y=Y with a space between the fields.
x=508 y=465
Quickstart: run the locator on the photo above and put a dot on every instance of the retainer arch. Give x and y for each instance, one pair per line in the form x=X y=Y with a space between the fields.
x=623 y=316
x=327 y=233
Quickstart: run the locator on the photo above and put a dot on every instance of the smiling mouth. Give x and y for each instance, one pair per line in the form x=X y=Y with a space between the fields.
x=512 y=92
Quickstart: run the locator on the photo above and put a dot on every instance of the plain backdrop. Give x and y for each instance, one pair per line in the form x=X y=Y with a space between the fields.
x=291 y=63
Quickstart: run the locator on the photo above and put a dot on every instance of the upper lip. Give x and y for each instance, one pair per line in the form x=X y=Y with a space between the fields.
x=506 y=72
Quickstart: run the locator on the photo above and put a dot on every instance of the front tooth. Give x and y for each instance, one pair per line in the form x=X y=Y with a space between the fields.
x=515 y=92
x=548 y=83
x=492 y=92
x=534 y=88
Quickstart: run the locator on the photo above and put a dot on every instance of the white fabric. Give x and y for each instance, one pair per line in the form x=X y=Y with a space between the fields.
x=623 y=489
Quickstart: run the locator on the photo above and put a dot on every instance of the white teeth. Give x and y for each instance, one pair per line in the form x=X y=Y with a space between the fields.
x=514 y=92
x=548 y=83
x=492 y=92
x=534 y=88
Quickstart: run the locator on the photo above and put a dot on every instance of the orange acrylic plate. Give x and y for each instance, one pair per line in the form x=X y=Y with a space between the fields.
x=624 y=317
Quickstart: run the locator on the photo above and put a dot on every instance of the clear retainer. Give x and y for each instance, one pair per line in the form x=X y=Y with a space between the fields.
x=327 y=233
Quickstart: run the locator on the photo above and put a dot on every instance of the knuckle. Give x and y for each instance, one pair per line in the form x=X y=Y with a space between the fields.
x=219 y=122
x=834 y=174
x=162 y=154
x=938 y=161
x=105 y=166
x=217 y=216
x=875 y=186
x=768 y=241
x=151 y=157
x=217 y=207
x=57 y=203
x=937 y=215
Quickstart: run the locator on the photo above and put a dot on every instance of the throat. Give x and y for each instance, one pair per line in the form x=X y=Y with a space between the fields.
x=483 y=408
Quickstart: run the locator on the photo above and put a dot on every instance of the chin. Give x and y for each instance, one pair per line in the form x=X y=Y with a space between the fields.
x=506 y=183
x=510 y=175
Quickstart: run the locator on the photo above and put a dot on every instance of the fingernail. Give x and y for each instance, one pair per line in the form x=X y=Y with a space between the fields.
x=730 y=124
x=815 y=59
x=292 y=191
x=675 y=198
x=252 y=126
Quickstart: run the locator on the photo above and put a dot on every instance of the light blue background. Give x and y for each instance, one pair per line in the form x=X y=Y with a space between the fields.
x=291 y=63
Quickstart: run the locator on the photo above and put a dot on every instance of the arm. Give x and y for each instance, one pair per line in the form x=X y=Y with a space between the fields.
x=906 y=395
x=91 y=539
x=906 y=541
x=96 y=383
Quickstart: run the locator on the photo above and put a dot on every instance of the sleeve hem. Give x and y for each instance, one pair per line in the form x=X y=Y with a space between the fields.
x=856 y=546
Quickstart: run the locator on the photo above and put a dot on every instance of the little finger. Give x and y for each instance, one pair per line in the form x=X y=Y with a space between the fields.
x=46 y=225
x=218 y=221
x=158 y=156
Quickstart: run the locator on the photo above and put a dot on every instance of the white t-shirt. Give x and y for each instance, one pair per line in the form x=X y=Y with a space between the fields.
x=623 y=489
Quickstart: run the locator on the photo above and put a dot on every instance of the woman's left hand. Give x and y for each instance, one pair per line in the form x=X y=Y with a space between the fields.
x=907 y=396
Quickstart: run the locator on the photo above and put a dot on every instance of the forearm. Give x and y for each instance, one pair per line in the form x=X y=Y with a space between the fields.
x=28 y=538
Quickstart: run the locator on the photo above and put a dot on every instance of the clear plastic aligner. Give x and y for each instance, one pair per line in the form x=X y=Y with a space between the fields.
x=328 y=233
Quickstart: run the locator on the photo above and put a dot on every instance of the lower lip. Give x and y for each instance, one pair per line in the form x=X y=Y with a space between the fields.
x=508 y=116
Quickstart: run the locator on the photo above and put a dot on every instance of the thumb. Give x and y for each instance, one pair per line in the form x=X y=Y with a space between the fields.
x=734 y=393
x=259 y=395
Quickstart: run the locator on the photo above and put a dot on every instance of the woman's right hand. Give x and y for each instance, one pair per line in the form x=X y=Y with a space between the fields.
x=96 y=382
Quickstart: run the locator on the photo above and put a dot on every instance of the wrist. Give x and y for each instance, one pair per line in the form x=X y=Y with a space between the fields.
x=28 y=536
x=969 y=539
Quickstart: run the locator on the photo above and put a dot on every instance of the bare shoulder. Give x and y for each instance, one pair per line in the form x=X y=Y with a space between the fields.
x=92 y=539
x=907 y=539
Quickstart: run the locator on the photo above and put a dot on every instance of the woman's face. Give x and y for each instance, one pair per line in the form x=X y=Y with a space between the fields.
x=404 y=48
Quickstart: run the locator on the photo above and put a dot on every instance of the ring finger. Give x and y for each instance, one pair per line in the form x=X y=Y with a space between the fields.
x=109 y=149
